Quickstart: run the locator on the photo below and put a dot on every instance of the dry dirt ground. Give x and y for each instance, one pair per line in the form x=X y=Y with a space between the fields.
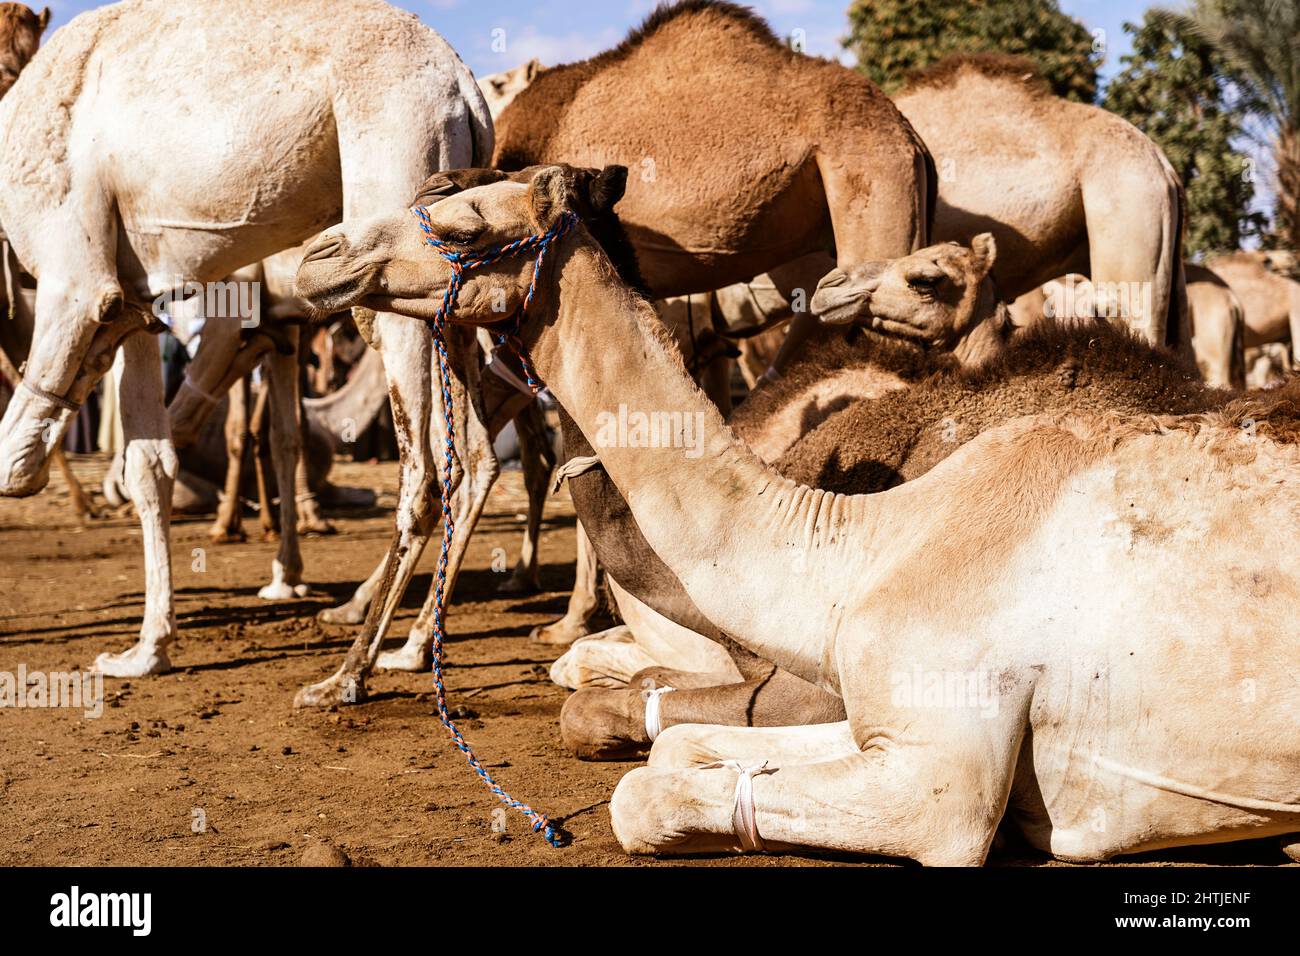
x=210 y=764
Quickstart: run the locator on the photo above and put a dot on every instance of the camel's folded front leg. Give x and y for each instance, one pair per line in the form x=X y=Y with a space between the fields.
x=150 y=472
x=935 y=798
x=599 y=724
x=286 y=570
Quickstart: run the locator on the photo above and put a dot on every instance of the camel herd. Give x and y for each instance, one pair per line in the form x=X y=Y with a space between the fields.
x=998 y=539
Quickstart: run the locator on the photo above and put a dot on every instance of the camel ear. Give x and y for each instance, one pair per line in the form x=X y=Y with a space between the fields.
x=608 y=188
x=531 y=70
x=986 y=251
x=44 y=19
x=548 y=195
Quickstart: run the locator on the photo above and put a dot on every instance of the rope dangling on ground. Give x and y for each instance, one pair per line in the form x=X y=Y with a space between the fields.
x=460 y=262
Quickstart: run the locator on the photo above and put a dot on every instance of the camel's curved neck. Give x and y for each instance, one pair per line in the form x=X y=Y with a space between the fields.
x=733 y=532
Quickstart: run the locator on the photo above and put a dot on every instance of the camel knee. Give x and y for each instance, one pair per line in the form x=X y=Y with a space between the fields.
x=149 y=464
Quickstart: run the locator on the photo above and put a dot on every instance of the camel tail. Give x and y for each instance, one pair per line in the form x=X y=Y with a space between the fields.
x=1237 y=374
x=931 y=194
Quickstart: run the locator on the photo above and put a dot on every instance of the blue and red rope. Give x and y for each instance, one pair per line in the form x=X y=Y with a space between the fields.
x=460 y=263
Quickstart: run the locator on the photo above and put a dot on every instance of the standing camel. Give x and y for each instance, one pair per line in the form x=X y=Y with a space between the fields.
x=110 y=226
x=1266 y=284
x=1056 y=567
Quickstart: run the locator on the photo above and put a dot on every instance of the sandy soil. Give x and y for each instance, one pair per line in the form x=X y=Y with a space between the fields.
x=215 y=746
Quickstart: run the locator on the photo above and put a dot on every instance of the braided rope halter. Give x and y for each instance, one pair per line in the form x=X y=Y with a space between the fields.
x=460 y=263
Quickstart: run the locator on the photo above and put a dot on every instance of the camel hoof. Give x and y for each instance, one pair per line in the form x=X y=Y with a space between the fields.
x=1291 y=847
x=414 y=658
x=133 y=663
x=343 y=614
x=318 y=527
x=269 y=534
x=335 y=691
x=224 y=536
x=562 y=632
x=280 y=591
x=519 y=584
x=604 y=724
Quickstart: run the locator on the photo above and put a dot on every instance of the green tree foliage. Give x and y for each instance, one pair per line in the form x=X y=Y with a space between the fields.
x=891 y=38
x=1173 y=90
x=1258 y=43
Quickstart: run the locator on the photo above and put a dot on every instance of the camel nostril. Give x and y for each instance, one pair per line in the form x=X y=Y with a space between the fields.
x=325 y=247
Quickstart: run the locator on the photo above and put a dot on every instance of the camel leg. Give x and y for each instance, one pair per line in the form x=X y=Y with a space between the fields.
x=538 y=460
x=1295 y=329
x=151 y=468
x=1136 y=277
x=601 y=724
x=408 y=354
x=286 y=451
x=582 y=602
x=229 y=525
x=310 y=519
x=938 y=804
x=353 y=611
x=258 y=428
x=482 y=468
x=81 y=505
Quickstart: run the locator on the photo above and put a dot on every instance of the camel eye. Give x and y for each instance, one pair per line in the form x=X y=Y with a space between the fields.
x=462 y=236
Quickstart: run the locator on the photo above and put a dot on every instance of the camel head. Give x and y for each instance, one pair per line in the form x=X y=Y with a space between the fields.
x=1284 y=262
x=20 y=35
x=384 y=263
x=500 y=89
x=933 y=297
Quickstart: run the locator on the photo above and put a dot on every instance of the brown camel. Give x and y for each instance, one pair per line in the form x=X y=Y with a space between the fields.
x=1267 y=286
x=818 y=158
x=20 y=35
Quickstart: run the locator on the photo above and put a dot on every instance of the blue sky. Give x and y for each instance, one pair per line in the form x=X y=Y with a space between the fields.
x=557 y=31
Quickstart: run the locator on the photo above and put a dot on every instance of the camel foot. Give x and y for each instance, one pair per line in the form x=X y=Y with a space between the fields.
x=139 y=661
x=562 y=632
x=317 y=526
x=338 y=690
x=415 y=656
x=1291 y=847
x=601 y=724
x=343 y=614
x=282 y=591
x=227 y=536
x=519 y=584
x=270 y=534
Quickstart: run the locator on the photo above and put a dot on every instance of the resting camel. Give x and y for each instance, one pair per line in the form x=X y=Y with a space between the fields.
x=867 y=443
x=108 y=224
x=1266 y=284
x=1108 y=582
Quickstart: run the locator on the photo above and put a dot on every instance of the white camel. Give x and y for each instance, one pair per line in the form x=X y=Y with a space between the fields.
x=321 y=123
x=1080 y=623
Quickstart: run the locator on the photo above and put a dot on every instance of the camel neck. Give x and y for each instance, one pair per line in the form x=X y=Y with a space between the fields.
x=734 y=532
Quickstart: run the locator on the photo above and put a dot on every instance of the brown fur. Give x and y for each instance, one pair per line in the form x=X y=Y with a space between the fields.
x=20 y=36
x=1006 y=66
x=820 y=159
x=874 y=445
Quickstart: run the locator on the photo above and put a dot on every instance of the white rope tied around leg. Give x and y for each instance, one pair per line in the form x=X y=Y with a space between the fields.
x=575 y=466
x=653 y=726
x=743 y=819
